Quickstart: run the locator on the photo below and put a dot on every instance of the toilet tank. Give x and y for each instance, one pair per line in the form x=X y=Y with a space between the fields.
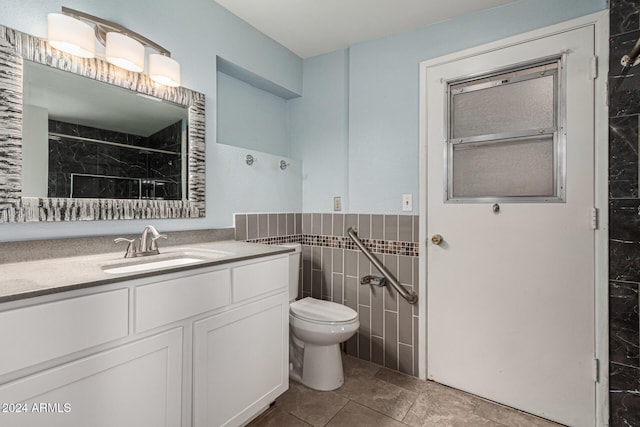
x=294 y=269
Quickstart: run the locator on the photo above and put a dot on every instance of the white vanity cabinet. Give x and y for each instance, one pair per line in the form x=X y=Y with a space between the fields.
x=203 y=347
x=241 y=359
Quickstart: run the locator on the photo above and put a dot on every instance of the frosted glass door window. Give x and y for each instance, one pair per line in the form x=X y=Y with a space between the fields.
x=503 y=140
x=504 y=169
x=523 y=105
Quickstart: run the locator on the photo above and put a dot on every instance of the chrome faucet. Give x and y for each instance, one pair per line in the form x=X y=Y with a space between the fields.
x=152 y=247
x=145 y=247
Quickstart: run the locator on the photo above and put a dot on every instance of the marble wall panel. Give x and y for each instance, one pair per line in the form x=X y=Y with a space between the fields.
x=624 y=218
x=623 y=157
x=624 y=16
x=624 y=409
x=624 y=84
x=624 y=326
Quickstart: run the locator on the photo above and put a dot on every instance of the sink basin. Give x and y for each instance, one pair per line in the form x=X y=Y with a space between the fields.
x=205 y=252
x=151 y=265
x=173 y=257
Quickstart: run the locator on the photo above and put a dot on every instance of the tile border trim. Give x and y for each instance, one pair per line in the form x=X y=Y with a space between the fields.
x=385 y=247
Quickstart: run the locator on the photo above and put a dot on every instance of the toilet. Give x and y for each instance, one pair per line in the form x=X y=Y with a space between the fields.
x=317 y=328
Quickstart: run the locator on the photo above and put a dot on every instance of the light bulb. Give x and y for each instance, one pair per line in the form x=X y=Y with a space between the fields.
x=164 y=70
x=71 y=35
x=124 y=52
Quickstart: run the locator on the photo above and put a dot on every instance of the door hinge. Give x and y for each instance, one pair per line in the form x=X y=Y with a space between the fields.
x=596 y=370
x=593 y=65
x=594 y=218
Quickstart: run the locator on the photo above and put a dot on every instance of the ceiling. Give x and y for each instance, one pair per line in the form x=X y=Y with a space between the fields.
x=75 y=99
x=312 y=27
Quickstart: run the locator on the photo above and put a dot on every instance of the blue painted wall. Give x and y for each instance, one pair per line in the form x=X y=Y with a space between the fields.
x=318 y=130
x=381 y=117
x=195 y=34
x=355 y=129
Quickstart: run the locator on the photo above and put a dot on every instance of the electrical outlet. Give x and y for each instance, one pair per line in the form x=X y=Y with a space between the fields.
x=407 y=203
x=337 y=203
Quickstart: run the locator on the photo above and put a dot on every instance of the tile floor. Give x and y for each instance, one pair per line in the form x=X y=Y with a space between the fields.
x=376 y=396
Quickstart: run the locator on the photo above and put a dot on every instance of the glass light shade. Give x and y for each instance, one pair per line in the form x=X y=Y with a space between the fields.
x=71 y=35
x=164 y=70
x=124 y=52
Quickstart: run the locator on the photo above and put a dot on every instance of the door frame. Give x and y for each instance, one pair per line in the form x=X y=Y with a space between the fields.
x=600 y=22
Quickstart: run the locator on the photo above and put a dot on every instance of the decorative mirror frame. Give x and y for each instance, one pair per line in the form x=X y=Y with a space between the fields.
x=15 y=47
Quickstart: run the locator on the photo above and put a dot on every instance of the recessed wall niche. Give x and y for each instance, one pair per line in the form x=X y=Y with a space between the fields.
x=252 y=111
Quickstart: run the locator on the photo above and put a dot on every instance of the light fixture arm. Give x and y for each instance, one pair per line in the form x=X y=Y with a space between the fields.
x=102 y=27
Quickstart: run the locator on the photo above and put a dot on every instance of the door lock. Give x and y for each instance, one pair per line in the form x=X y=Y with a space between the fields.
x=436 y=239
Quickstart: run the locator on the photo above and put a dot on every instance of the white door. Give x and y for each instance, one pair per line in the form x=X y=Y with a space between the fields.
x=510 y=294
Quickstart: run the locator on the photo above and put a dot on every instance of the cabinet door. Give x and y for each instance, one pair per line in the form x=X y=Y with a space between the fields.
x=240 y=361
x=138 y=384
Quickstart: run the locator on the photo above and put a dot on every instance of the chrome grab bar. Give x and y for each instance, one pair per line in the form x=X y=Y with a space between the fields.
x=410 y=296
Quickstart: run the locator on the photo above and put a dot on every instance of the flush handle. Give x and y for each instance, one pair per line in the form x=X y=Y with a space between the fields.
x=436 y=239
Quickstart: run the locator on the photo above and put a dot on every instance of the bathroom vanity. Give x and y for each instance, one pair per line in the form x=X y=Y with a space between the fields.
x=195 y=336
x=204 y=344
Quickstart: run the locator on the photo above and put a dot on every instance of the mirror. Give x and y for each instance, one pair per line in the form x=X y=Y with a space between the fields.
x=88 y=139
x=84 y=140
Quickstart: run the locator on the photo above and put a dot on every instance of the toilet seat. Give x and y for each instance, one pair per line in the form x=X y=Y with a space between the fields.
x=322 y=312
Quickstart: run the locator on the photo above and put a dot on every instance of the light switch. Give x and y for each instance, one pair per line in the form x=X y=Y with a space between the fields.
x=407 y=203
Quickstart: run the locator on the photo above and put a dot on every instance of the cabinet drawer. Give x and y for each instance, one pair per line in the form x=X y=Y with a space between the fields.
x=259 y=278
x=43 y=332
x=165 y=302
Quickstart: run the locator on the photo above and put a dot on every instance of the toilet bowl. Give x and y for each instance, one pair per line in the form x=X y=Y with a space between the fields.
x=317 y=328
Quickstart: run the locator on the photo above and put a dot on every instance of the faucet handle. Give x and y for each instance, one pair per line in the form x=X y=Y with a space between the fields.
x=131 y=247
x=154 y=244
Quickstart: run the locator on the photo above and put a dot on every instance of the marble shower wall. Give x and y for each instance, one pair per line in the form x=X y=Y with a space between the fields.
x=332 y=267
x=624 y=218
x=113 y=169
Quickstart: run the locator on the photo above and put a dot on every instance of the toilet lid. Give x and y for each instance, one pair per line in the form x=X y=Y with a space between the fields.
x=316 y=310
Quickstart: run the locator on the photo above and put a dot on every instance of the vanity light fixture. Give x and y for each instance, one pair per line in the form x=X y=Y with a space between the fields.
x=164 y=70
x=124 y=52
x=70 y=35
x=70 y=32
